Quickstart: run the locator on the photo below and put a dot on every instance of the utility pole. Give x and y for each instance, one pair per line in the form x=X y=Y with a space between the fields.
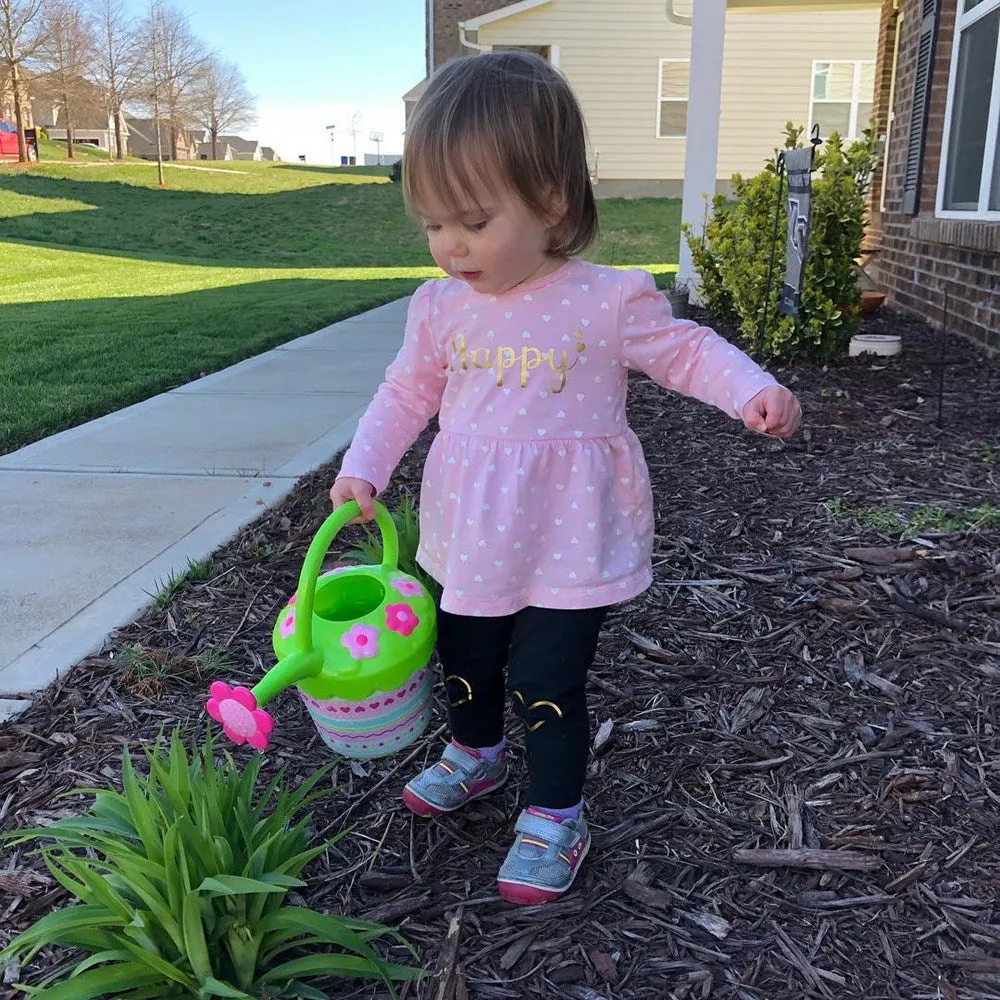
x=377 y=138
x=354 y=133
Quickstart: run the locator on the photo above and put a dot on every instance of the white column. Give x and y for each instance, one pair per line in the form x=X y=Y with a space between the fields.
x=708 y=42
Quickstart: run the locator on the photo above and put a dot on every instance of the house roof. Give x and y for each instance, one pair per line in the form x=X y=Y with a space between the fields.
x=239 y=144
x=475 y=23
x=142 y=137
x=89 y=111
x=416 y=92
x=267 y=152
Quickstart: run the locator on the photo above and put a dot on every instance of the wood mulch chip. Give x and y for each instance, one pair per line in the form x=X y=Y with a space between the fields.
x=795 y=782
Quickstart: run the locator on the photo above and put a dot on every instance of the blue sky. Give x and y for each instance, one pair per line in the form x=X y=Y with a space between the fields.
x=314 y=63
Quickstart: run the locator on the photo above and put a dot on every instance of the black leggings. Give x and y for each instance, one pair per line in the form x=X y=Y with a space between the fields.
x=546 y=654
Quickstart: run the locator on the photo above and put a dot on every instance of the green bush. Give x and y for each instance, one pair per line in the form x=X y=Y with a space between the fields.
x=396 y=173
x=42 y=134
x=182 y=881
x=733 y=257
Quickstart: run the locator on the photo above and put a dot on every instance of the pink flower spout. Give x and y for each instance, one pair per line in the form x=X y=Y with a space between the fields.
x=242 y=721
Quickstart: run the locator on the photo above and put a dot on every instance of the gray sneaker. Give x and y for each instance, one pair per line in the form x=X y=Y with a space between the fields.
x=544 y=859
x=457 y=778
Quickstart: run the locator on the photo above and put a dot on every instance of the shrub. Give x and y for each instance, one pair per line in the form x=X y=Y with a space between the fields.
x=42 y=134
x=182 y=881
x=396 y=173
x=369 y=551
x=732 y=258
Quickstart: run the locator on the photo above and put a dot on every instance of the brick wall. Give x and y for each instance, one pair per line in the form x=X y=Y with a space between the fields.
x=447 y=14
x=922 y=256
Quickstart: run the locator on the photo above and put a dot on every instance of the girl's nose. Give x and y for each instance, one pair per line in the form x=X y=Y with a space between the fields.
x=457 y=246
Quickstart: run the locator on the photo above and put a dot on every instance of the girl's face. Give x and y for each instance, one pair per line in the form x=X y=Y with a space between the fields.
x=494 y=242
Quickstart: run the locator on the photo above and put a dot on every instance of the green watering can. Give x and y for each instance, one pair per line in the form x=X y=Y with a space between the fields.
x=356 y=643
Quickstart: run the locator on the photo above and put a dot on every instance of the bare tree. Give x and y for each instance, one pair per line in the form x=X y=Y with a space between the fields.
x=22 y=34
x=67 y=57
x=222 y=100
x=176 y=59
x=118 y=63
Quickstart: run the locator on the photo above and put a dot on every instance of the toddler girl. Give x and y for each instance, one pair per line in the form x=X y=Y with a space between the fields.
x=536 y=513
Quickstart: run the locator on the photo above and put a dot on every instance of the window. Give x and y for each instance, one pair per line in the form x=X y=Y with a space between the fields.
x=970 y=169
x=843 y=96
x=672 y=107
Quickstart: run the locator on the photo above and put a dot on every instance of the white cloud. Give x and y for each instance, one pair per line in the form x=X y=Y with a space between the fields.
x=300 y=129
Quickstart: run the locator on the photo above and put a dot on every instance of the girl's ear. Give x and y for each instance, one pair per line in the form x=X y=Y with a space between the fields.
x=557 y=205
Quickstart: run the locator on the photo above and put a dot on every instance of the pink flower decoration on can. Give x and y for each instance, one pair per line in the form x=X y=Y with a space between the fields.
x=401 y=618
x=242 y=721
x=293 y=599
x=407 y=587
x=361 y=641
x=287 y=626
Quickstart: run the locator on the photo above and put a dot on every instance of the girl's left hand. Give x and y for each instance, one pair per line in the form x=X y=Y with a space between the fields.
x=775 y=411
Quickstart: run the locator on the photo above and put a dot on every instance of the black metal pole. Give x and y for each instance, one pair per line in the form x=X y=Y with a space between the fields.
x=769 y=285
x=942 y=361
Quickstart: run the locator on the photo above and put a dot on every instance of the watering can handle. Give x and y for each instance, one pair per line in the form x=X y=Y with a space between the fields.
x=316 y=553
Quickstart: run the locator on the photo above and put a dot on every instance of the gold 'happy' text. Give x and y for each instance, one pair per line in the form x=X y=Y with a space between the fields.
x=503 y=358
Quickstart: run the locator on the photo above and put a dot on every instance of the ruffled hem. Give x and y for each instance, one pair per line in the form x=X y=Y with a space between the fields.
x=573 y=598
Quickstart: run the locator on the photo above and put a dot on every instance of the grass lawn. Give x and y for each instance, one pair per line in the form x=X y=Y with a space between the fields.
x=113 y=290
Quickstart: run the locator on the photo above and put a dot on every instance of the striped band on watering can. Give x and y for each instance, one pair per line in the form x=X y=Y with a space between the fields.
x=355 y=641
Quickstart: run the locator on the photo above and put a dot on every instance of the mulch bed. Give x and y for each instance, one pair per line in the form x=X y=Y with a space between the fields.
x=793 y=682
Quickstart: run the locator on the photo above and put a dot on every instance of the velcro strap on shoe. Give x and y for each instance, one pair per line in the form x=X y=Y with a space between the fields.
x=546 y=829
x=459 y=759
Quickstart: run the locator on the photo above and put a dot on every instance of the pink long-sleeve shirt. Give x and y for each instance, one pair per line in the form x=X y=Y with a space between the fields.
x=536 y=491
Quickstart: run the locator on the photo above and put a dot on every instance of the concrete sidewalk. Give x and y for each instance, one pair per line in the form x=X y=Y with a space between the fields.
x=92 y=520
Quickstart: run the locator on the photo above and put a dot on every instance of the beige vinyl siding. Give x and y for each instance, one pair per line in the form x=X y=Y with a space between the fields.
x=611 y=53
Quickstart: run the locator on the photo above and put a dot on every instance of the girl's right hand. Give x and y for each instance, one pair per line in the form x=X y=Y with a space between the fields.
x=346 y=489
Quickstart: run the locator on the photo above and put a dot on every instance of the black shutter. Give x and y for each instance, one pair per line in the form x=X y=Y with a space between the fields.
x=926 y=48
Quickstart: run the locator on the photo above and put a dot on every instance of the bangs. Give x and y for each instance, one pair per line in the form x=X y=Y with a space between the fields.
x=450 y=167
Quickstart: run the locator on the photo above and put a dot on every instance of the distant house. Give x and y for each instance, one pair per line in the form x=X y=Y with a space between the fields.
x=243 y=149
x=90 y=121
x=385 y=160
x=142 y=140
x=938 y=216
x=267 y=153
x=223 y=151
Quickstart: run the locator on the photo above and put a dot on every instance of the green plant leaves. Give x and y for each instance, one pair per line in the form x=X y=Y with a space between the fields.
x=181 y=881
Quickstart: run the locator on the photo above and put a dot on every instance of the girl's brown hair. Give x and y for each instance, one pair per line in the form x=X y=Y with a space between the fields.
x=506 y=116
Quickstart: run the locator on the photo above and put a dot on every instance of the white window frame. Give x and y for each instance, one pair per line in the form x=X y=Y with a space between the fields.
x=855 y=127
x=964 y=21
x=674 y=100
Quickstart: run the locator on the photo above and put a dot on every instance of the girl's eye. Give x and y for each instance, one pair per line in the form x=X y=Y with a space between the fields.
x=478 y=227
x=432 y=227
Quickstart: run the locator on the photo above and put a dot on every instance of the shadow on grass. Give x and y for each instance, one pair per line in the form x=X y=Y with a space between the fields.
x=67 y=362
x=327 y=225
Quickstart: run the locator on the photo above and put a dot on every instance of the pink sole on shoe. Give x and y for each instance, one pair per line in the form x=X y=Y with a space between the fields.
x=417 y=805
x=422 y=807
x=533 y=895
